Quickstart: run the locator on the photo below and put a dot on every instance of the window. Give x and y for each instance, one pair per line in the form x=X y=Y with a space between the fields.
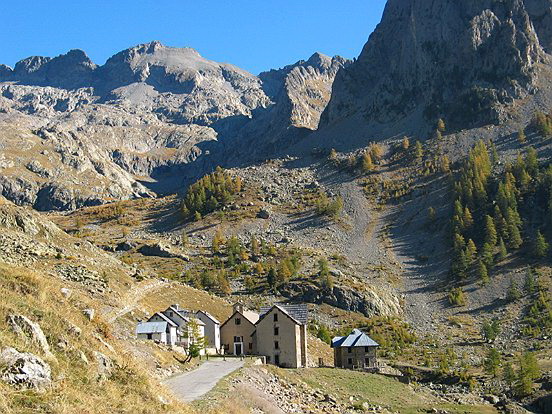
x=275 y=317
x=238 y=339
x=276 y=331
x=170 y=314
x=366 y=349
x=350 y=361
x=268 y=359
x=277 y=359
x=367 y=361
x=238 y=321
x=150 y=336
x=349 y=350
x=276 y=345
x=250 y=346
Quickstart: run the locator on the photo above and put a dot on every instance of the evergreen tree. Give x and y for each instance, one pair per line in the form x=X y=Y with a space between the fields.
x=482 y=272
x=418 y=151
x=509 y=374
x=467 y=218
x=490 y=231
x=492 y=362
x=471 y=251
x=271 y=278
x=490 y=330
x=218 y=240
x=541 y=246
x=532 y=162
x=445 y=164
x=522 y=138
x=513 y=292
x=255 y=248
x=487 y=255
x=502 y=252
x=527 y=374
x=530 y=282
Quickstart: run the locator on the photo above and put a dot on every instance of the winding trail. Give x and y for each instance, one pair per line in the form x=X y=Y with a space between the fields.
x=132 y=297
x=193 y=385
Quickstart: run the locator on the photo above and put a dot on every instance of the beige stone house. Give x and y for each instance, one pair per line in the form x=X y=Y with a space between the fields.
x=355 y=351
x=281 y=335
x=237 y=333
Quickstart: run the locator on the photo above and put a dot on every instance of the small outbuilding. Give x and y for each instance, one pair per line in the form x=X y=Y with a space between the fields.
x=355 y=351
x=162 y=332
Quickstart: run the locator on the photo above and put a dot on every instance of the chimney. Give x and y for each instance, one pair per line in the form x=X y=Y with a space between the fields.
x=238 y=307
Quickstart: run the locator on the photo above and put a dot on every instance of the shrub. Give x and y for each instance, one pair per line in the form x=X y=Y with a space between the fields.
x=329 y=207
x=457 y=297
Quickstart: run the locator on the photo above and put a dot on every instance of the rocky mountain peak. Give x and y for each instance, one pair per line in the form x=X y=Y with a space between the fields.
x=460 y=59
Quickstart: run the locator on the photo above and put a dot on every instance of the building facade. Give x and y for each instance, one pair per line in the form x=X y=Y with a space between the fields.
x=211 y=329
x=355 y=351
x=237 y=332
x=281 y=335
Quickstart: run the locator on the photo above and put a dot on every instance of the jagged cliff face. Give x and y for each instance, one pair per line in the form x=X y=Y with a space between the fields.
x=73 y=133
x=464 y=60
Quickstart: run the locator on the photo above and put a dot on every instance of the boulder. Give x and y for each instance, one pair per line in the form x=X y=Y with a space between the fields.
x=125 y=246
x=105 y=365
x=161 y=249
x=29 y=330
x=66 y=292
x=24 y=370
x=89 y=313
x=263 y=214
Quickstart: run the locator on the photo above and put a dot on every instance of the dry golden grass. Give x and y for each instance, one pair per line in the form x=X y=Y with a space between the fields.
x=75 y=388
x=188 y=298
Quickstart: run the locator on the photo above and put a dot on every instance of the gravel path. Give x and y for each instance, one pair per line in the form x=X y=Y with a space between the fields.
x=193 y=385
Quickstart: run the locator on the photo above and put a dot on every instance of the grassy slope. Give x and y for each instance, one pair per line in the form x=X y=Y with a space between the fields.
x=375 y=389
x=75 y=385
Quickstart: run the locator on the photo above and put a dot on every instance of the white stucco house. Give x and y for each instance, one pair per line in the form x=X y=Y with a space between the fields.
x=211 y=329
x=177 y=324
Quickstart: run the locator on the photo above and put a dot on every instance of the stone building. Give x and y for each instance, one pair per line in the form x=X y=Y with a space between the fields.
x=355 y=351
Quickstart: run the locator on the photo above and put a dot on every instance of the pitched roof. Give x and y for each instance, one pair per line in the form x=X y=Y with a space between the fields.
x=215 y=320
x=151 y=327
x=250 y=316
x=355 y=338
x=298 y=312
x=164 y=317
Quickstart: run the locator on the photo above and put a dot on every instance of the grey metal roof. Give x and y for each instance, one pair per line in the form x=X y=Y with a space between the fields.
x=299 y=311
x=151 y=327
x=355 y=338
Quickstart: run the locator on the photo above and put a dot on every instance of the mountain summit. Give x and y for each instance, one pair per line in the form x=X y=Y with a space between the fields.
x=460 y=60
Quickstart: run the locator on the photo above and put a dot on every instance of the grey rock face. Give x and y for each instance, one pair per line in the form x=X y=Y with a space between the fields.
x=162 y=249
x=105 y=365
x=24 y=370
x=461 y=60
x=75 y=134
x=29 y=330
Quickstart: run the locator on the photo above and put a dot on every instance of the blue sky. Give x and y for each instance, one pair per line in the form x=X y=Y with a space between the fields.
x=254 y=34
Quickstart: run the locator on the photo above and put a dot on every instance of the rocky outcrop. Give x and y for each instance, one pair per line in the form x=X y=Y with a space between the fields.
x=30 y=331
x=367 y=302
x=24 y=370
x=464 y=61
x=162 y=249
